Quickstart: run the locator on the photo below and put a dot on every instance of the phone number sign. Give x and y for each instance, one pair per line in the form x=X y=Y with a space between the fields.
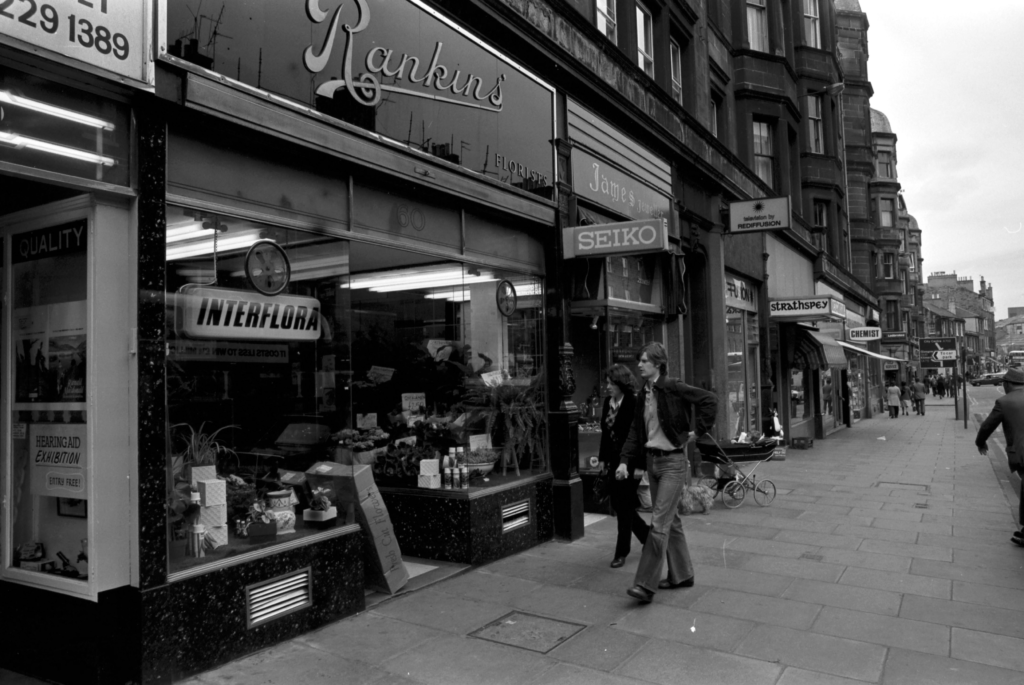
x=112 y=36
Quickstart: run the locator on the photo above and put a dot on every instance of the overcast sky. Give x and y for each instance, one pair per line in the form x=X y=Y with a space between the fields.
x=950 y=77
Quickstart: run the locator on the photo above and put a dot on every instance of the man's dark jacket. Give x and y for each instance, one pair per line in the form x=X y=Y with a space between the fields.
x=1009 y=412
x=675 y=401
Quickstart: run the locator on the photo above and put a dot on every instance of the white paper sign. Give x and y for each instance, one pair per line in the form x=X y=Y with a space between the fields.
x=480 y=442
x=19 y=431
x=366 y=420
x=380 y=374
x=60 y=458
x=491 y=378
x=413 y=401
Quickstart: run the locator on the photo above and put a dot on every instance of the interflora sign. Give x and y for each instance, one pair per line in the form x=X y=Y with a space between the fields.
x=764 y=214
x=111 y=36
x=398 y=68
x=226 y=314
x=626 y=238
x=864 y=334
x=807 y=309
x=607 y=185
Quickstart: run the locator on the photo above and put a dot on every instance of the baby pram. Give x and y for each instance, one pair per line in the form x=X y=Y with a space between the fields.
x=729 y=480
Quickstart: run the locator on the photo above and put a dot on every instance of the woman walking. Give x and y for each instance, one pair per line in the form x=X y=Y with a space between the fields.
x=905 y=398
x=893 y=393
x=616 y=418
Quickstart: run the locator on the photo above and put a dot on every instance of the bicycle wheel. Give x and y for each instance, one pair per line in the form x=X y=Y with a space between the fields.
x=733 y=494
x=764 y=492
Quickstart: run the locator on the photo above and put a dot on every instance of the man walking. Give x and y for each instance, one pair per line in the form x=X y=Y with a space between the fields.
x=1009 y=411
x=919 y=394
x=659 y=435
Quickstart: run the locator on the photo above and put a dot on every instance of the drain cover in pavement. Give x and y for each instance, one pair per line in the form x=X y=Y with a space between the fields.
x=536 y=633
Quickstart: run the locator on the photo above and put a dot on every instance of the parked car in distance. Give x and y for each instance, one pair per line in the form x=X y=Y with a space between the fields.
x=988 y=379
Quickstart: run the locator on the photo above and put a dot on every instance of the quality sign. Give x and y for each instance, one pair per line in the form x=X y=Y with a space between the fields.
x=864 y=334
x=764 y=214
x=626 y=238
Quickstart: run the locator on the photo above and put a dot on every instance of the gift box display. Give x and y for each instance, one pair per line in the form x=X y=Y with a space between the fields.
x=345 y=484
x=216 y=536
x=200 y=473
x=429 y=481
x=212 y=492
x=430 y=467
x=213 y=516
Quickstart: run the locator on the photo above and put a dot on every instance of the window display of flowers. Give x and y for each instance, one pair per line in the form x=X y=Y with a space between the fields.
x=361 y=439
x=401 y=463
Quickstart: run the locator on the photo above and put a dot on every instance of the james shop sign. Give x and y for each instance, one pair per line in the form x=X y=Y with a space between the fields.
x=626 y=238
x=607 y=185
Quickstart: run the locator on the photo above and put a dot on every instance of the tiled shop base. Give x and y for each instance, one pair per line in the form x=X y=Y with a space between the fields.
x=527 y=631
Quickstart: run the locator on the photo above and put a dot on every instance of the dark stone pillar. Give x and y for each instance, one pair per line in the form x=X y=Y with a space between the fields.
x=563 y=423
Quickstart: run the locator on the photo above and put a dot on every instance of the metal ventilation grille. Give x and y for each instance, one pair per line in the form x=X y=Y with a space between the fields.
x=515 y=515
x=275 y=598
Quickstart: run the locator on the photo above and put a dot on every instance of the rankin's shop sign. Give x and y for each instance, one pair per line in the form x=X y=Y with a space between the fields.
x=399 y=68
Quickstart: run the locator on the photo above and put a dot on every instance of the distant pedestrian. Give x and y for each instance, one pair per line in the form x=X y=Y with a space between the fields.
x=616 y=418
x=893 y=394
x=940 y=388
x=920 y=392
x=1009 y=411
x=905 y=398
x=660 y=433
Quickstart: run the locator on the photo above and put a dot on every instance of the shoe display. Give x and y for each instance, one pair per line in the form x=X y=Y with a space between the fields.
x=667 y=584
x=643 y=594
x=618 y=562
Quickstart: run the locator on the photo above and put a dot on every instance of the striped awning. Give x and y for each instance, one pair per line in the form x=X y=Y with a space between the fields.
x=815 y=350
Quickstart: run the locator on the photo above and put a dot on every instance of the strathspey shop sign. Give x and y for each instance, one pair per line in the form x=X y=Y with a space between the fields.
x=607 y=185
x=807 y=309
x=396 y=67
x=227 y=314
x=626 y=238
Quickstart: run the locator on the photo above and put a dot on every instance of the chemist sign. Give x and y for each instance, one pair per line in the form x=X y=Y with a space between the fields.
x=60 y=459
x=764 y=214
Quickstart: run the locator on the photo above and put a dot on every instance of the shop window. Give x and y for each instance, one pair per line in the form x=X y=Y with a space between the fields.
x=757 y=25
x=812 y=24
x=49 y=442
x=815 y=131
x=801 y=396
x=644 y=40
x=606 y=23
x=764 y=155
x=288 y=348
x=743 y=375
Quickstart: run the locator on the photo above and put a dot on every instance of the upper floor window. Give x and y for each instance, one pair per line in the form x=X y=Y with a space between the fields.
x=892 y=315
x=757 y=25
x=913 y=262
x=606 y=19
x=714 y=116
x=815 y=130
x=885 y=164
x=812 y=24
x=764 y=156
x=644 y=40
x=820 y=214
x=676 y=58
x=888 y=265
x=887 y=211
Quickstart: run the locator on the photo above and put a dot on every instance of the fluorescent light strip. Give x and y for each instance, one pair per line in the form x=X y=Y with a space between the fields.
x=206 y=247
x=398 y=278
x=20 y=141
x=53 y=111
x=433 y=283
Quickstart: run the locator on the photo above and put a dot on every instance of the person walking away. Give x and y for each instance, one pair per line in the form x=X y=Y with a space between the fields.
x=893 y=394
x=920 y=392
x=826 y=394
x=905 y=398
x=940 y=388
x=660 y=433
x=1009 y=412
x=616 y=419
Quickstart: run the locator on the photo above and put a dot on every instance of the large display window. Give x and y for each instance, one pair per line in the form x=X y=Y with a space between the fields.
x=288 y=348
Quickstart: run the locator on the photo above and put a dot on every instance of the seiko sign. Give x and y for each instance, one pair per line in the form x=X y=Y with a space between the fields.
x=807 y=309
x=226 y=314
x=628 y=237
x=864 y=334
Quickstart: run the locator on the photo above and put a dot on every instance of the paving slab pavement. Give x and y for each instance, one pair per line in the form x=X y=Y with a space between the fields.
x=880 y=561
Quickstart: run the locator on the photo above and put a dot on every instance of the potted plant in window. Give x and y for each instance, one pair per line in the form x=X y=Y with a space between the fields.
x=513 y=415
x=201 y=451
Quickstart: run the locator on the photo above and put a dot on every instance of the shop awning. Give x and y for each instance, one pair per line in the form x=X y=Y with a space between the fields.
x=817 y=350
x=860 y=350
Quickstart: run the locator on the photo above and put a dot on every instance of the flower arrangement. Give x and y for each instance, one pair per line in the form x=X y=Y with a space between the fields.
x=481 y=456
x=202 y=448
x=361 y=439
x=319 y=501
x=257 y=522
x=401 y=462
